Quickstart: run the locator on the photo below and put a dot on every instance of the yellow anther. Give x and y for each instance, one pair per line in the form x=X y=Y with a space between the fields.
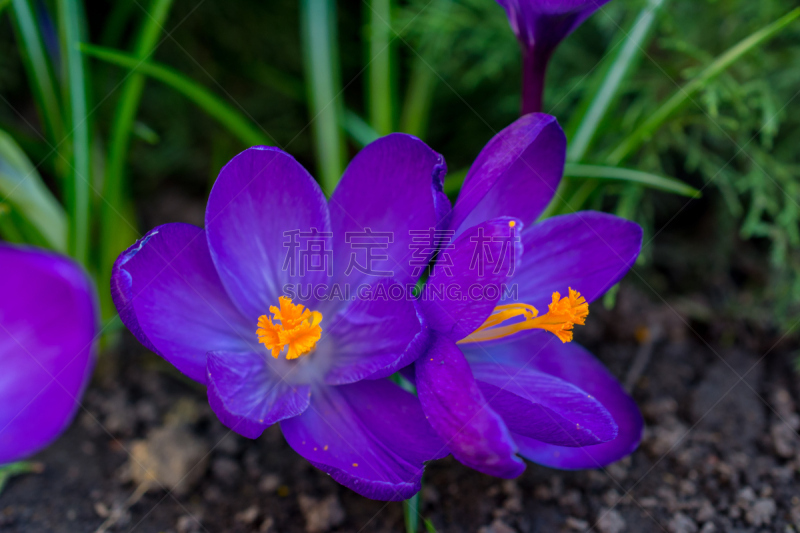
x=562 y=315
x=296 y=328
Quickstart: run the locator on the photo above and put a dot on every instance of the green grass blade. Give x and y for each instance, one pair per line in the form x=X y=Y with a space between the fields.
x=4 y=4
x=411 y=513
x=419 y=99
x=379 y=68
x=16 y=469
x=78 y=186
x=22 y=188
x=38 y=69
x=645 y=179
x=685 y=93
x=321 y=59
x=429 y=527
x=9 y=231
x=214 y=106
x=115 y=232
x=423 y=80
x=358 y=129
x=629 y=53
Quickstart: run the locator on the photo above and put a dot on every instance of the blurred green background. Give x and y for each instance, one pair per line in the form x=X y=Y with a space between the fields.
x=319 y=78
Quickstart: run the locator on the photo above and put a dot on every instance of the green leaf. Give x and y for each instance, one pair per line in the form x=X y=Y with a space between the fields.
x=116 y=232
x=683 y=95
x=646 y=179
x=380 y=71
x=629 y=53
x=225 y=114
x=78 y=185
x=429 y=527
x=16 y=469
x=38 y=69
x=358 y=129
x=323 y=82
x=22 y=187
x=423 y=78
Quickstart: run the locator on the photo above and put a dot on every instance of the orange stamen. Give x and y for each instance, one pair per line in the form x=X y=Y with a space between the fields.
x=298 y=330
x=562 y=315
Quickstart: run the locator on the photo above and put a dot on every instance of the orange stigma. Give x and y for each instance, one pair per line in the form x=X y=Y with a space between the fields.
x=562 y=315
x=296 y=328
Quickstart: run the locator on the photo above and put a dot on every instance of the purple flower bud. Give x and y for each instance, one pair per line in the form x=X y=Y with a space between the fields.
x=540 y=25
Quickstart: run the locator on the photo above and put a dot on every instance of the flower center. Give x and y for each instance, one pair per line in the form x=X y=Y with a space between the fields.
x=296 y=328
x=562 y=315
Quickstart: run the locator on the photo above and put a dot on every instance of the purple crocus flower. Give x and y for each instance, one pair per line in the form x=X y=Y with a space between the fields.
x=540 y=25
x=221 y=304
x=498 y=380
x=48 y=322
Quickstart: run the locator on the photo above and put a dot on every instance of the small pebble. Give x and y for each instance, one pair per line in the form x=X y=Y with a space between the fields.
x=610 y=521
x=680 y=523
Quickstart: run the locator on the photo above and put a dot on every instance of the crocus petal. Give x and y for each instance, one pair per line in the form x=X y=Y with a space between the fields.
x=260 y=218
x=169 y=295
x=466 y=282
x=48 y=322
x=545 y=23
x=516 y=174
x=370 y=436
x=574 y=364
x=250 y=391
x=376 y=335
x=588 y=251
x=541 y=406
x=458 y=411
x=394 y=182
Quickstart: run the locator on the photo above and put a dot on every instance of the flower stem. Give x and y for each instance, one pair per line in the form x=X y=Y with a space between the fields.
x=534 y=67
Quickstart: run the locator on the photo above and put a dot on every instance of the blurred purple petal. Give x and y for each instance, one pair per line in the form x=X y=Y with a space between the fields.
x=588 y=251
x=545 y=23
x=169 y=295
x=370 y=436
x=48 y=323
x=375 y=337
x=539 y=405
x=251 y=391
x=458 y=411
x=516 y=174
x=259 y=198
x=393 y=185
x=459 y=298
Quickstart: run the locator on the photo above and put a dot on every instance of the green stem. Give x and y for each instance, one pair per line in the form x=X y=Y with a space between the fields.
x=321 y=58
x=70 y=15
x=122 y=126
x=228 y=116
x=411 y=513
x=646 y=130
x=379 y=67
